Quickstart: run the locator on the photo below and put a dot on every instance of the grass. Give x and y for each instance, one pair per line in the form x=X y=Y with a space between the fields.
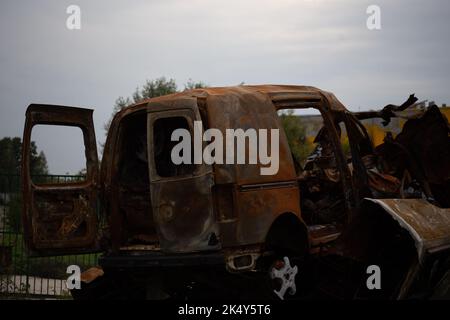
x=47 y=267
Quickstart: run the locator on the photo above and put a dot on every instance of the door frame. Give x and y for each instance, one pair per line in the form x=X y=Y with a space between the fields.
x=87 y=202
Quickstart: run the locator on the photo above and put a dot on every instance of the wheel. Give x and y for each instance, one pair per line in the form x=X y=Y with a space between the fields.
x=283 y=274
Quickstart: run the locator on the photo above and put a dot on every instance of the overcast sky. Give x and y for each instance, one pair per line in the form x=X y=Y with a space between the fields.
x=324 y=43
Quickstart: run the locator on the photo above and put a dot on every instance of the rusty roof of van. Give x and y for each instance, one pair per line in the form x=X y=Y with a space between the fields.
x=275 y=92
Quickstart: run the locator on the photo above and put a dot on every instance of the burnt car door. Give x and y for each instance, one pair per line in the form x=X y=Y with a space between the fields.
x=181 y=194
x=60 y=218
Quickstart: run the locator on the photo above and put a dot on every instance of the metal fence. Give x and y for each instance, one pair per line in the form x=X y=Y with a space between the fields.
x=22 y=276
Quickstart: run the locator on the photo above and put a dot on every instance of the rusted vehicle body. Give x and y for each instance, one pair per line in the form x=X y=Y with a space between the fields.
x=142 y=211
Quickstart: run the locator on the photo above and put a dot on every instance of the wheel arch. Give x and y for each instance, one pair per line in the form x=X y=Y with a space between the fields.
x=288 y=234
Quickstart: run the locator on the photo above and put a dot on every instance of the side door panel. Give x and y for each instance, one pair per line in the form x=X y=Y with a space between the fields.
x=60 y=218
x=181 y=198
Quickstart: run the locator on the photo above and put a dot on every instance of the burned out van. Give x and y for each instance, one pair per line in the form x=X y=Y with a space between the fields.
x=154 y=219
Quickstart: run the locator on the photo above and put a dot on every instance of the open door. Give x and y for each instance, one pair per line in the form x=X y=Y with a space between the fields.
x=181 y=194
x=60 y=218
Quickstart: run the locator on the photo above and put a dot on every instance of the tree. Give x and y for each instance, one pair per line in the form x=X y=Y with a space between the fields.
x=194 y=85
x=10 y=167
x=155 y=88
x=152 y=88
x=11 y=157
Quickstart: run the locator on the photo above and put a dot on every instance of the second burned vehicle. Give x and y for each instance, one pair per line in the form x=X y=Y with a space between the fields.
x=384 y=206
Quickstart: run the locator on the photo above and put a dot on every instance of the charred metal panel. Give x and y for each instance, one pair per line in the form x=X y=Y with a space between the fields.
x=428 y=140
x=60 y=218
x=243 y=108
x=63 y=218
x=183 y=212
x=256 y=202
x=427 y=224
x=260 y=205
x=422 y=151
x=182 y=206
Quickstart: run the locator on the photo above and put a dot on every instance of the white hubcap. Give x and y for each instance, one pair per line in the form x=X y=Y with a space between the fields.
x=287 y=275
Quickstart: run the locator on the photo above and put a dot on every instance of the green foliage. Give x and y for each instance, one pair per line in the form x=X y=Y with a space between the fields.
x=14 y=213
x=53 y=267
x=11 y=157
x=154 y=88
x=10 y=167
x=38 y=163
x=296 y=136
x=194 y=85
